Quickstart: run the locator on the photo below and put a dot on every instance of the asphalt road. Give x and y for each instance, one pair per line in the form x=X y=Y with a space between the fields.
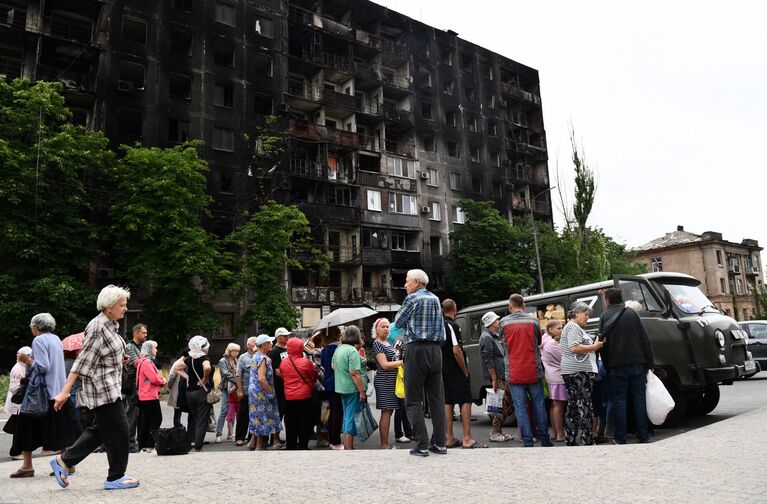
x=737 y=399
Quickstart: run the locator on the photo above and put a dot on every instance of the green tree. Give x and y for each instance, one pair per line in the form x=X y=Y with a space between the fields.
x=160 y=243
x=259 y=254
x=585 y=189
x=49 y=240
x=489 y=257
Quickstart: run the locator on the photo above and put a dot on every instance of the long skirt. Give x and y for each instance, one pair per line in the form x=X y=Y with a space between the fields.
x=53 y=432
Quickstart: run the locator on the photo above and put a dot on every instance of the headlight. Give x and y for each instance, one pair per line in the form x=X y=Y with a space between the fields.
x=719 y=335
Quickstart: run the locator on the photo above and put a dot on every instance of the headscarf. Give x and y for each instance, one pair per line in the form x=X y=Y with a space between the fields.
x=25 y=350
x=146 y=348
x=196 y=344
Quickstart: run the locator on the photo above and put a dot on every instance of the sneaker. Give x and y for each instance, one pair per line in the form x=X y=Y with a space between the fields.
x=219 y=439
x=419 y=453
x=439 y=450
x=403 y=439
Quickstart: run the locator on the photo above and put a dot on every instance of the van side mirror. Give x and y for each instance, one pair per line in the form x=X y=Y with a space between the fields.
x=669 y=311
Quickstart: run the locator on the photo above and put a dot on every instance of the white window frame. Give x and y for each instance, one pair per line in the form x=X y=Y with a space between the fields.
x=399 y=167
x=436 y=211
x=401 y=203
x=374 y=200
x=433 y=179
x=459 y=217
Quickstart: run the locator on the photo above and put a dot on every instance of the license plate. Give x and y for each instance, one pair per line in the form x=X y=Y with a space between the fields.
x=749 y=365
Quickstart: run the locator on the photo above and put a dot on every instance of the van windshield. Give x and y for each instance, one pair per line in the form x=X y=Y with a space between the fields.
x=690 y=299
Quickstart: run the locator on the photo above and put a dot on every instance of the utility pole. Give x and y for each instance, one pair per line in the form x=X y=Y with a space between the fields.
x=535 y=238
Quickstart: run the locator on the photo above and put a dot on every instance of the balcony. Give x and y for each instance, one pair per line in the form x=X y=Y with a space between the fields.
x=733 y=269
x=305 y=168
x=13 y=17
x=319 y=295
x=341 y=254
x=400 y=148
x=316 y=132
x=752 y=271
x=331 y=60
x=80 y=82
x=300 y=90
x=340 y=103
x=69 y=29
x=397 y=115
x=372 y=109
x=514 y=91
x=542 y=207
x=405 y=258
x=336 y=214
x=370 y=143
x=306 y=17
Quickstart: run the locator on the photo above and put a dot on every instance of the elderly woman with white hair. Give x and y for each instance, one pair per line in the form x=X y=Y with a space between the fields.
x=99 y=367
x=579 y=370
x=52 y=431
x=149 y=381
x=200 y=374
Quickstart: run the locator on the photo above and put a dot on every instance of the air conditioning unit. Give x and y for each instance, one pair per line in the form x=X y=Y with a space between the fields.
x=425 y=209
x=125 y=86
x=424 y=175
x=754 y=270
x=735 y=269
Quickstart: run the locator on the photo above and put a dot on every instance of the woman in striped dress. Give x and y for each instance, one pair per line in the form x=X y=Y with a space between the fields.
x=386 y=377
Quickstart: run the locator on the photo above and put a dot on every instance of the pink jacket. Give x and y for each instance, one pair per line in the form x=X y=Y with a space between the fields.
x=551 y=355
x=150 y=381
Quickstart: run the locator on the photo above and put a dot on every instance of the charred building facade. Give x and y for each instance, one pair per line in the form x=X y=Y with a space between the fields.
x=391 y=122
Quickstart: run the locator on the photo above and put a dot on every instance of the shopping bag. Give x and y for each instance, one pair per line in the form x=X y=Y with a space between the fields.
x=657 y=399
x=399 y=386
x=171 y=441
x=494 y=402
x=35 y=402
x=365 y=423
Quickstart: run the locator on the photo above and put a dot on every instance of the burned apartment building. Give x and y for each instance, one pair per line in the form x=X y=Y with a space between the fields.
x=391 y=122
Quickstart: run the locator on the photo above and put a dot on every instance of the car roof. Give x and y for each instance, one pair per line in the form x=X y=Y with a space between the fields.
x=753 y=322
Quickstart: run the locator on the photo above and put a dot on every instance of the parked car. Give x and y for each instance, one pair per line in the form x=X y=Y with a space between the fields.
x=757 y=340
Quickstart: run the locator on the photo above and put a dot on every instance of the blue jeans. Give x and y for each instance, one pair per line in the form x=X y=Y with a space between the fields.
x=626 y=382
x=222 y=415
x=519 y=395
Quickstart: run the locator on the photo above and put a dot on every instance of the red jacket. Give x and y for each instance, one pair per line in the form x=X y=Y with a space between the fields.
x=150 y=381
x=522 y=334
x=297 y=386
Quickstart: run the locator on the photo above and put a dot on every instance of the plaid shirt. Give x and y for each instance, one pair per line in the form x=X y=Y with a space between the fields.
x=421 y=316
x=100 y=363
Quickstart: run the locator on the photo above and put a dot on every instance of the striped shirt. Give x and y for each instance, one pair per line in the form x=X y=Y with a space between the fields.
x=572 y=335
x=421 y=314
x=100 y=363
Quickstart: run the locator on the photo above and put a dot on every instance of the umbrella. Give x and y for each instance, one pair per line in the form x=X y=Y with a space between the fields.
x=343 y=316
x=73 y=342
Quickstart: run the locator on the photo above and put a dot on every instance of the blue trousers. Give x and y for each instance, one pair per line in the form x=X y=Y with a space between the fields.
x=519 y=394
x=628 y=383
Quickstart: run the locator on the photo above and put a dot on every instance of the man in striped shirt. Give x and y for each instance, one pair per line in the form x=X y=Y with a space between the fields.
x=421 y=318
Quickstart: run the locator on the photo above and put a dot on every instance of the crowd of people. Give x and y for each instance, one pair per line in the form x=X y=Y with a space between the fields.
x=105 y=396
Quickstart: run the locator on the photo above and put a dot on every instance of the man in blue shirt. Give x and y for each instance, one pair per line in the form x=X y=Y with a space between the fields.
x=421 y=319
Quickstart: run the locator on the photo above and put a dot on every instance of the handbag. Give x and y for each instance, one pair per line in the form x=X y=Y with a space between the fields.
x=35 y=401
x=214 y=394
x=399 y=386
x=365 y=423
x=171 y=441
x=317 y=385
x=18 y=396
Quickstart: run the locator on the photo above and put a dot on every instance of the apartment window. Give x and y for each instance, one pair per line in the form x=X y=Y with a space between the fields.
x=448 y=87
x=263 y=64
x=225 y=182
x=435 y=246
x=458 y=216
x=719 y=260
x=263 y=104
x=184 y=5
x=436 y=211
x=178 y=131
x=131 y=76
x=181 y=42
x=450 y=118
x=476 y=185
x=225 y=14
x=656 y=264
x=722 y=286
x=467 y=62
x=424 y=78
x=223 y=52
x=404 y=241
x=492 y=129
x=130 y=122
x=429 y=143
x=470 y=94
x=223 y=139
x=489 y=74
x=738 y=286
x=134 y=30
x=374 y=238
x=403 y=204
x=490 y=101
x=341 y=196
x=455 y=181
x=400 y=167
x=496 y=158
x=265 y=27
x=180 y=86
x=471 y=124
x=497 y=189
x=433 y=179
x=223 y=95
x=474 y=154
x=453 y=149
x=426 y=111
x=447 y=56
x=374 y=200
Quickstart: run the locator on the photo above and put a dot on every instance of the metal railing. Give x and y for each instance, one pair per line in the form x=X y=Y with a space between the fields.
x=399 y=148
x=305 y=168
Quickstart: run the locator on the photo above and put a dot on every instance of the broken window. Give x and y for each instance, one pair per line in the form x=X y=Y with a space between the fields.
x=263 y=64
x=130 y=121
x=470 y=94
x=225 y=182
x=424 y=78
x=180 y=86
x=223 y=52
x=263 y=104
x=476 y=185
x=435 y=245
x=489 y=74
x=448 y=87
x=492 y=128
x=134 y=30
x=474 y=154
x=223 y=139
x=467 y=62
x=225 y=14
x=453 y=149
x=181 y=42
x=490 y=101
x=131 y=76
x=426 y=111
x=184 y=5
x=264 y=27
x=223 y=95
x=450 y=118
x=471 y=124
x=429 y=143
x=178 y=130
x=447 y=56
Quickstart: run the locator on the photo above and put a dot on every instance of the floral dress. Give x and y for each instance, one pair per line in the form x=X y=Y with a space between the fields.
x=263 y=414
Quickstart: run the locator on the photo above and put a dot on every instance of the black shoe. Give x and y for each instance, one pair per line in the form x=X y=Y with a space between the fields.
x=439 y=450
x=547 y=444
x=600 y=440
x=419 y=453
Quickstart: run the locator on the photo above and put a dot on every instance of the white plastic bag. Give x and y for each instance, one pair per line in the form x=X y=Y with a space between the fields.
x=657 y=399
x=494 y=402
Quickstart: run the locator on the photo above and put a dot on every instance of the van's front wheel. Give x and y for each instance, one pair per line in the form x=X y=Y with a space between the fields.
x=705 y=402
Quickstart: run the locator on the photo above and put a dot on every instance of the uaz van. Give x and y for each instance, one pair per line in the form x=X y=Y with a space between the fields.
x=696 y=347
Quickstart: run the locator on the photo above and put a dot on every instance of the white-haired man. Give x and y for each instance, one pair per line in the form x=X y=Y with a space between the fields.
x=421 y=319
x=100 y=366
x=244 y=363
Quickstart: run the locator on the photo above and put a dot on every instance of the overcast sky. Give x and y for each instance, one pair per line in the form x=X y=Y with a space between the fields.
x=667 y=97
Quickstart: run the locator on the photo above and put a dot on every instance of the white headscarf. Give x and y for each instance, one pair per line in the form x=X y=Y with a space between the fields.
x=196 y=344
x=25 y=350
